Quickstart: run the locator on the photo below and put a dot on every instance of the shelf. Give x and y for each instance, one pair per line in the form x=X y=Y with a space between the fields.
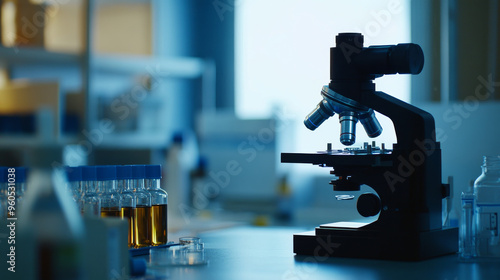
x=109 y=141
x=137 y=140
x=23 y=55
x=178 y=67
x=33 y=141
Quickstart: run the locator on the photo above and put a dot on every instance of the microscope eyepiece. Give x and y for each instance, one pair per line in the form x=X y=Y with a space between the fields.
x=393 y=59
x=349 y=60
x=407 y=58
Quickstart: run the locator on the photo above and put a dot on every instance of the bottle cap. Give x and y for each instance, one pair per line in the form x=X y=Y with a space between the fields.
x=138 y=171
x=137 y=266
x=88 y=173
x=105 y=172
x=123 y=172
x=153 y=171
x=73 y=174
x=20 y=173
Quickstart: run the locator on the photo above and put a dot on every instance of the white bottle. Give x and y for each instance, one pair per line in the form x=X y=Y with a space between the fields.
x=180 y=160
x=175 y=182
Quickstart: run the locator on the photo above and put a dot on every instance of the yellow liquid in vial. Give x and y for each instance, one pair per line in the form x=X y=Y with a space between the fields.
x=110 y=212
x=142 y=233
x=159 y=224
x=127 y=213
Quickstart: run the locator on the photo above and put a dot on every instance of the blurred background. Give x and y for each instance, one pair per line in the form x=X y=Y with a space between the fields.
x=215 y=90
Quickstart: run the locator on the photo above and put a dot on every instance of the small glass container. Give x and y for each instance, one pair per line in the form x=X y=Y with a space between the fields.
x=159 y=202
x=91 y=201
x=487 y=209
x=74 y=179
x=127 y=198
x=142 y=211
x=106 y=189
x=190 y=251
x=467 y=243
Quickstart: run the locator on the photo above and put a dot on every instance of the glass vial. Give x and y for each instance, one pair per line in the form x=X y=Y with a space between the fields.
x=467 y=244
x=74 y=178
x=487 y=208
x=91 y=202
x=127 y=199
x=142 y=212
x=159 y=202
x=106 y=188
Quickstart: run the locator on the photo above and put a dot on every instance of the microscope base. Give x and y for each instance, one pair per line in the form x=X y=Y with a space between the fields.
x=347 y=243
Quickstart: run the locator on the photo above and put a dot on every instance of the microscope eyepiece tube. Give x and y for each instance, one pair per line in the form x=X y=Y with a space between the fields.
x=348 y=122
x=318 y=115
x=392 y=59
x=370 y=123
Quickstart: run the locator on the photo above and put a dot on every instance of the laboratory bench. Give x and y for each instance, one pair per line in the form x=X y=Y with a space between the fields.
x=246 y=252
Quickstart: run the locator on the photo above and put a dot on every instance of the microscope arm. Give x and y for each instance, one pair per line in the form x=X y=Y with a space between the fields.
x=410 y=123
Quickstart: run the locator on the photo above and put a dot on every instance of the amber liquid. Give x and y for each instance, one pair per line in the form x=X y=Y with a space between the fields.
x=159 y=224
x=142 y=233
x=127 y=213
x=110 y=212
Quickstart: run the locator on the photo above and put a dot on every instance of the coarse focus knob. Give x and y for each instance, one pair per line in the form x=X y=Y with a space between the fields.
x=368 y=205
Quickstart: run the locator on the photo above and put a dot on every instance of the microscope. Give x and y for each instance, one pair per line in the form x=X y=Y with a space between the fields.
x=406 y=179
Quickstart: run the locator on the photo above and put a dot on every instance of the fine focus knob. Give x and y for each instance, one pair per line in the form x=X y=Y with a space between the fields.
x=368 y=205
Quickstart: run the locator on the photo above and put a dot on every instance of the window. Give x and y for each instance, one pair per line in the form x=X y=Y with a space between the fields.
x=283 y=54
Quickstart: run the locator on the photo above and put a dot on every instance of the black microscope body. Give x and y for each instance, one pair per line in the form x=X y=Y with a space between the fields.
x=406 y=179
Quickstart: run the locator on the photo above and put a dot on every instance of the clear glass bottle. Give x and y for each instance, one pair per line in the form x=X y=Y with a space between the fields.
x=159 y=202
x=74 y=178
x=487 y=208
x=91 y=202
x=142 y=212
x=106 y=189
x=127 y=198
